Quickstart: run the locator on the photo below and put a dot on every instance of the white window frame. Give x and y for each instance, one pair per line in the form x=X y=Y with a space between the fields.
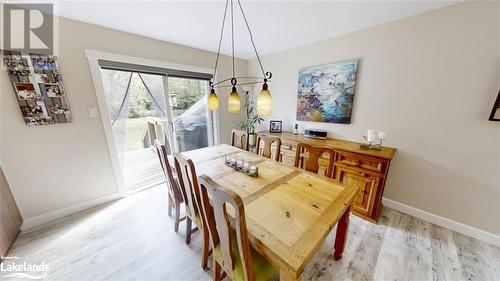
x=93 y=58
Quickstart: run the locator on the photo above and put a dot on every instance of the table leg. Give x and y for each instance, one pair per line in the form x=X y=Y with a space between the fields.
x=286 y=275
x=341 y=236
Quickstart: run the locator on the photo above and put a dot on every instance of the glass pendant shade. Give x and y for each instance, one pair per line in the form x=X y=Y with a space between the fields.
x=264 y=102
x=233 y=102
x=213 y=101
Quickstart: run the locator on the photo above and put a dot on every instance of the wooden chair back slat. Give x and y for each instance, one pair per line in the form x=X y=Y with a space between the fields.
x=218 y=219
x=268 y=142
x=239 y=139
x=313 y=156
x=188 y=182
x=172 y=184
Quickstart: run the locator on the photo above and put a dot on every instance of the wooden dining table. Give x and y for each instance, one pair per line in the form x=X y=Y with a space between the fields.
x=289 y=211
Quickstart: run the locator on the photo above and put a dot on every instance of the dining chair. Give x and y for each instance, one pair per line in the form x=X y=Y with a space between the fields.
x=232 y=253
x=175 y=198
x=188 y=182
x=268 y=142
x=239 y=139
x=312 y=154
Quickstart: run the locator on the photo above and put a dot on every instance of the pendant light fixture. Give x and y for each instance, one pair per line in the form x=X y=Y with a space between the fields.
x=234 y=101
x=264 y=101
x=213 y=100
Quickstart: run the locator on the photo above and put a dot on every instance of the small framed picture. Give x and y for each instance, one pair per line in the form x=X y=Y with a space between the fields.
x=25 y=91
x=51 y=90
x=495 y=111
x=275 y=126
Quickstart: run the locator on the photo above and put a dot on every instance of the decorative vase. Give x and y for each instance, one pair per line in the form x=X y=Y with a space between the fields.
x=252 y=139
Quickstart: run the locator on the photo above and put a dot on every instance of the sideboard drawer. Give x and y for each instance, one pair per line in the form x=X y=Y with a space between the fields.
x=288 y=160
x=287 y=151
x=288 y=146
x=360 y=161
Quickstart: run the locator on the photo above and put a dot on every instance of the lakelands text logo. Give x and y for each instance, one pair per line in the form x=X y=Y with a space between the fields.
x=12 y=268
x=28 y=28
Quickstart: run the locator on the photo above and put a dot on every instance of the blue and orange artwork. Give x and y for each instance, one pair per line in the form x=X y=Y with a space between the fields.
x=326 y=92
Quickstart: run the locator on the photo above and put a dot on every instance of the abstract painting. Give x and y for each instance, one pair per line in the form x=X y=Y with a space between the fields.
x=39 y=88
x=326 y=92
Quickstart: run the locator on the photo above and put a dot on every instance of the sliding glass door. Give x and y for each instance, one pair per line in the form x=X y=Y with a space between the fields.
x=145 y=106
x=135 y=101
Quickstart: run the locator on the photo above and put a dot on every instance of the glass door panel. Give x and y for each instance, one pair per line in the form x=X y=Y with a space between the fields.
x=191 y=121
x=136 y=105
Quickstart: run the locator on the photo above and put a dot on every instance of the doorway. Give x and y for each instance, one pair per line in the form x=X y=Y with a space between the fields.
x=145 y=104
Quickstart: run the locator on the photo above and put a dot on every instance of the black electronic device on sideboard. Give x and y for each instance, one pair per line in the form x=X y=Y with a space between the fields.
x=316 y=134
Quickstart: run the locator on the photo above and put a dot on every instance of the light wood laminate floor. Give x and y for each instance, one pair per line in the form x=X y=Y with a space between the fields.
x=142 y=169
x=133 y=239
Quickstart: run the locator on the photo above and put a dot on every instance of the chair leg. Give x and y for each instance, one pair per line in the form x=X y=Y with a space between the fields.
x=177 y=217
x=170 y=203
x=206 y=253
x=188 y=230
x=217 y=271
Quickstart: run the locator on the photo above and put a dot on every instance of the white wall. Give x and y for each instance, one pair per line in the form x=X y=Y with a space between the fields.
x=429 y=81
x=58 y=166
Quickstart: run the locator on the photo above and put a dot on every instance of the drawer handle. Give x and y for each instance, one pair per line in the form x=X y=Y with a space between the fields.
x=357 y=163
x=290 y=147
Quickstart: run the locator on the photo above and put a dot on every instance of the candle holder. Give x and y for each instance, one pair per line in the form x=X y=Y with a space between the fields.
x=371 y=145
x=241 y=166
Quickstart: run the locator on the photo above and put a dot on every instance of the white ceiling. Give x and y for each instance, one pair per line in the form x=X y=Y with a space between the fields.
x=276 y=25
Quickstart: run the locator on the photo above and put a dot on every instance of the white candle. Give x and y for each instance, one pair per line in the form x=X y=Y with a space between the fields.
x=382 y=135
x=370 y=132
x=370 y=138
x=253 y=169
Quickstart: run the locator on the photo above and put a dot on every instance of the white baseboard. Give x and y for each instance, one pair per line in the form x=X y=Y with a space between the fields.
x=444 y=222
x=432 y=218
x=50 y=216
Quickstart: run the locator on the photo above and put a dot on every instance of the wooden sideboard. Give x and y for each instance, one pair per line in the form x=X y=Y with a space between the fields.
x=366 y=169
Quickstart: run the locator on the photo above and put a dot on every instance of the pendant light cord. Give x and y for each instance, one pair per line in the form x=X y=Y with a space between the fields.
x=266 y=75
x=232 y=33
x=220 y=40
x=251 y=40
